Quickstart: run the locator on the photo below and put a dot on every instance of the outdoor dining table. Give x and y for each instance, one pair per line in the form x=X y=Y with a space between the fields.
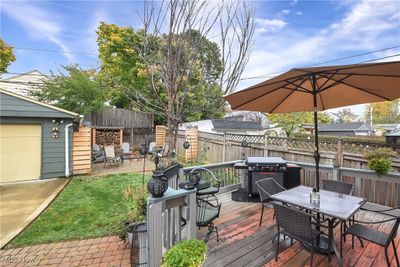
x=335 y=206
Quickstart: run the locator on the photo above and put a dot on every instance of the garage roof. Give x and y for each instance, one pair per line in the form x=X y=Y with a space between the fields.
x=11 y=109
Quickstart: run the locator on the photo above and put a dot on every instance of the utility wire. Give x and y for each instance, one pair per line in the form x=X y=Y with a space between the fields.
x=330 y=61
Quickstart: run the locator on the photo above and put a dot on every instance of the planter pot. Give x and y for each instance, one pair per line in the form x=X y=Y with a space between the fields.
x=158 y=184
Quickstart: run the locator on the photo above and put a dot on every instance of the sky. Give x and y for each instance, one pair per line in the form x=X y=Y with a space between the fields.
x=288 y=34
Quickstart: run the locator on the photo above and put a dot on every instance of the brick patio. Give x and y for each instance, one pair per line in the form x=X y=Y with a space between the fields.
x=104 y=251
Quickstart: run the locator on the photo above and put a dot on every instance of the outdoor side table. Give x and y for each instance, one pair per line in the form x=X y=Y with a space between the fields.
x=334 y=205
x=164 y=221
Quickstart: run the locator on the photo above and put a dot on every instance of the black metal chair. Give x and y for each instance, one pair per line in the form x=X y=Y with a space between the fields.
x=206 y=214
x=338 y=187
x=296 y=224
x=380 y=238
x=215 y=184
x=267 y=187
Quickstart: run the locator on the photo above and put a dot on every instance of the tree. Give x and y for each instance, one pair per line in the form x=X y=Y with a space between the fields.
x=78 y=91
x=6 y=56
x=290 y=122
x=179 y=30
x=383 y=112
x=344 y=116
x=121 y=67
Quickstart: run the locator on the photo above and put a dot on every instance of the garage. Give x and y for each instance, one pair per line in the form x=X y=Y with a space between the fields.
x=34 y=138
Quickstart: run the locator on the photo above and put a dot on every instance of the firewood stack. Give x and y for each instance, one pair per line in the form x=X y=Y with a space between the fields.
x=108 y=137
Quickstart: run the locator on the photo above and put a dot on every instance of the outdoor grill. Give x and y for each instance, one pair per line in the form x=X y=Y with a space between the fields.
x=258 y=168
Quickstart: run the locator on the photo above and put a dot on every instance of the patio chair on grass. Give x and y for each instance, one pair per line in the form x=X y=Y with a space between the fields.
x=380 y=238
x=125 y=148
x=110 y=156
x=206 y=214
x=295 y=224
x=267 y=187
x=152 y=148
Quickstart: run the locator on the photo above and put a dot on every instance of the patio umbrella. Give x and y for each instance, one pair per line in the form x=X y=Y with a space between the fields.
x=320 y=88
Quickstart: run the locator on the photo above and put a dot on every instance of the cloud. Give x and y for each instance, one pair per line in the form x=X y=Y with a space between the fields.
x=285 y=12
x=269 y=25
x=38 y=23
x=299 y=13
x=294 y=2
x=365 y=26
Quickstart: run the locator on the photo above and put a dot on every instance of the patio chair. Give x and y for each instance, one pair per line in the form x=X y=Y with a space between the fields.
x=338 y=187
x=125 y=148
x=110 y=156
x=213 y=189
x=97 y=153
x=152 y=148
x=341 y=188
x=267 y=187
x=206 y=214
x=295 y=224
x=380 y=238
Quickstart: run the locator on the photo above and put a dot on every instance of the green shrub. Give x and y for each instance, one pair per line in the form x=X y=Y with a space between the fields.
x=380 y=165
x=188 y=253
x=379 y=159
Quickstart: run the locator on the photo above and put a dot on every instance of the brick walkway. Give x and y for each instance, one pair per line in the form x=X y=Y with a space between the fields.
x=105 y=251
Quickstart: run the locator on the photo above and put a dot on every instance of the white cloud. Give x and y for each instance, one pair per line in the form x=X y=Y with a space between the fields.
x=294 y=2
x=299 y=13
x=38 y=23
x=285 y=12
x=366 y=26
x=269 y=25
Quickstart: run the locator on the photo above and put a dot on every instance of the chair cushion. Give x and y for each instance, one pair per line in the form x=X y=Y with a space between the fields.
x=208 y=216
x=368 y=233
x=208 y=191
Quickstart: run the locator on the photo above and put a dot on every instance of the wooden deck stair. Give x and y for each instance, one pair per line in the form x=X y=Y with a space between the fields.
x=244 y=243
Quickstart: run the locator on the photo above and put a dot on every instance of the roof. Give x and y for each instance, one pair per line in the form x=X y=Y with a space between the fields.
x=24 y=83
x=235 y=125
x=344 y=127
x=38 y=103
x=393 y=133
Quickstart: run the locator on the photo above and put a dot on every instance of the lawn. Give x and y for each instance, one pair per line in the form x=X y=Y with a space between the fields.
x=87 y=207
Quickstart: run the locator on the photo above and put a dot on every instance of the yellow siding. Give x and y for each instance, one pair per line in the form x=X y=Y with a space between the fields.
x=20 y=152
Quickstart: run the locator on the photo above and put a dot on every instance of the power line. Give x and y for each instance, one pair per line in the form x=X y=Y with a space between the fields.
x=329 y=61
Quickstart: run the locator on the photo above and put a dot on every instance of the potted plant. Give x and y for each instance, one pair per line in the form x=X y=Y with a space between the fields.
x=380 y=160
x=186 y=253
x=136 y=199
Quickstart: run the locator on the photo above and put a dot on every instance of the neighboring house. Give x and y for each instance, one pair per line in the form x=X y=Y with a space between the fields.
x=33 y=139
x=345 y=129
x=25 y=83
x=226 y=126
x=393 y=139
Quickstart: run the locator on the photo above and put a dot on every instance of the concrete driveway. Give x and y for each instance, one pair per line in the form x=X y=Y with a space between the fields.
x=21 y=203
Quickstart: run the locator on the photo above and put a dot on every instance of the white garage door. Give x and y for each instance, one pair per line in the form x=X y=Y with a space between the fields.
x=20 y=152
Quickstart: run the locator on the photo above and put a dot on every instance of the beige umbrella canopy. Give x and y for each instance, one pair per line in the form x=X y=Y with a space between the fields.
x=303 y=89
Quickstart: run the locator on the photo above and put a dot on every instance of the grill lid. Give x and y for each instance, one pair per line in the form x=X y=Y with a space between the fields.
x=265 y=161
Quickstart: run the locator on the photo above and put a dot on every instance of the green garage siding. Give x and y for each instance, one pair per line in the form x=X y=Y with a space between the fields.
x=15 y=110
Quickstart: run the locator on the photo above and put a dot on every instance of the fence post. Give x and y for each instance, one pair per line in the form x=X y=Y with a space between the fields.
x=266 y=145
x=191 y=154
x=224 y=148
x=339 y=153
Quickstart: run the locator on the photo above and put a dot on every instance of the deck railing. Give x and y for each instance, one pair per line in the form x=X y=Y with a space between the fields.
x=224 y=171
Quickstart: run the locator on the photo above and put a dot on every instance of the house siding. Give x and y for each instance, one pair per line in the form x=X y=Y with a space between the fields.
x=11 y=106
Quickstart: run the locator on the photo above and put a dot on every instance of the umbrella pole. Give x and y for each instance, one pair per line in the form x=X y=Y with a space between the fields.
x=316 y=146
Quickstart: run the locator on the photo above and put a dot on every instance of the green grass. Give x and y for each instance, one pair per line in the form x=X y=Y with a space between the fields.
x=87 y=207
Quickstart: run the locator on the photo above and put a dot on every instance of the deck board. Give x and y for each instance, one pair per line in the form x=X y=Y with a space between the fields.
x=244 y=243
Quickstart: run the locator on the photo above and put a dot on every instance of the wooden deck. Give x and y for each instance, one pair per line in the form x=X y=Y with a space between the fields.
x=243 y=243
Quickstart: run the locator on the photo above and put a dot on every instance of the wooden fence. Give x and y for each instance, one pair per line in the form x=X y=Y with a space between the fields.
x=344 y=153
x=138 y=126
x=81 y=151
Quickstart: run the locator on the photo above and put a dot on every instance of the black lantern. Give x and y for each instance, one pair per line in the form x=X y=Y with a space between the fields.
x=158 y=184
x=186 y=144
x=244 y=143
